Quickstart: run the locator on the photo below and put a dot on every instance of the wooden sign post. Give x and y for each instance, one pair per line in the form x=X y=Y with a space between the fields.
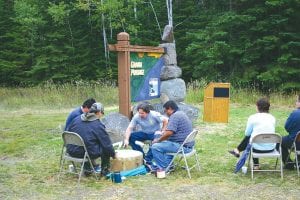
x=124 y=48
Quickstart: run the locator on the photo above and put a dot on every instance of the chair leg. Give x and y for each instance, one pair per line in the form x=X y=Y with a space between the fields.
x=81 y=169
x=197 y=162
x=297 y=162
x=61 y=155
x=281 y=162
x=93 y=168
x=61 y=167
x=252 y=166
x=172 y=162
x=281 y=168
x=187 y=166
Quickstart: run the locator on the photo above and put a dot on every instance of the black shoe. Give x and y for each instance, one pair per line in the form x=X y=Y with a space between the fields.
x=237 y=155
x=148 y=167
x=289 y=166
x=171 y=169
x=87 y=173
x=104 y=172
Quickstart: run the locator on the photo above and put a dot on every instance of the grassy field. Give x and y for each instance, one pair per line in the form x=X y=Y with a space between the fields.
x=31 y=144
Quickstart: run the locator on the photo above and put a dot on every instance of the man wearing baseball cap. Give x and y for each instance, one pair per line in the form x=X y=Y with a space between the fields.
x=95 y=137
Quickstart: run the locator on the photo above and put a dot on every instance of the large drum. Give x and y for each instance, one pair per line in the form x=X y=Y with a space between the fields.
x=126 y=160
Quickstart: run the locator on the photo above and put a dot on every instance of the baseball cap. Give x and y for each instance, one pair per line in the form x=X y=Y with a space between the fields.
x=97 y=107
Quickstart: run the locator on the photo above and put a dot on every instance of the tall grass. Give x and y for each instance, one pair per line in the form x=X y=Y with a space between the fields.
x=68 y=95
x=195 y=91
x=59 y=95
x=241 y=95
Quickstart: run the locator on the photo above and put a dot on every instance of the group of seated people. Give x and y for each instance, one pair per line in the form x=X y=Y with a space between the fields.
x=85 y=121
x=167 y=133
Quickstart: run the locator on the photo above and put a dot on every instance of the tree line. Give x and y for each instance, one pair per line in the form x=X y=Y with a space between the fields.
x=245 y=42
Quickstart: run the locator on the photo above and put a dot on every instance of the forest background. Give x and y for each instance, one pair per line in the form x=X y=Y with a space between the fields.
x=250 y=43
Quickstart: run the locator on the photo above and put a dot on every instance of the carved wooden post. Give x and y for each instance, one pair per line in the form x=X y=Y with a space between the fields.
x=124 y=48
x=124 y=74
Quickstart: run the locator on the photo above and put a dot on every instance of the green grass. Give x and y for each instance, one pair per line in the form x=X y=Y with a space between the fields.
x=30 y=149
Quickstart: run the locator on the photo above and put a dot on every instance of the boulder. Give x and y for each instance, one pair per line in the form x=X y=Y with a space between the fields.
x=168 y=35
x=170 y=72
x=170 y=56
x=174 y=89
x=191 y=111
x=116 y=125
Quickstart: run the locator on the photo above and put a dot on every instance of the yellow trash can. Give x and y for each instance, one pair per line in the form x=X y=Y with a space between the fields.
x=216 y=102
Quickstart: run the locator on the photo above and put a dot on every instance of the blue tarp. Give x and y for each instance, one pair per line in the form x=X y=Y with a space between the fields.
x=141 y=170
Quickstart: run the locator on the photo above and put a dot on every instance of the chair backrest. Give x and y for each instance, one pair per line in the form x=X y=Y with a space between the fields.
x=266 y=138
x=72 y=138
x=191 y=137
x=297 y=138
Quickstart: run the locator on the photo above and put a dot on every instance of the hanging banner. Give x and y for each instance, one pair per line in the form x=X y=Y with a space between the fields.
x=145 y=71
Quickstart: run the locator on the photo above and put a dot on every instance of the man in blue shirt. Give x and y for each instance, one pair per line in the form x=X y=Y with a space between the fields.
x=292 y=126
x=143 y=126
x=178 y=128
x=78 y=111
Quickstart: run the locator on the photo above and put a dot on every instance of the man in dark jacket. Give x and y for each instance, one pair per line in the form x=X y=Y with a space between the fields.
x=78 y=111
x=292 y=126
x=94 y=135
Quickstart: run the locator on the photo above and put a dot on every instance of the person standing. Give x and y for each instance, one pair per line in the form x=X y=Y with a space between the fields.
x=78 y=111
x=178 y=128
x=292 y=126
x=260 y=122
x=95 y=137
x=147 y=122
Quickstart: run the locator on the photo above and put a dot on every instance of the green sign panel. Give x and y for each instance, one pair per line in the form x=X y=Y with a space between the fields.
x=145 y=71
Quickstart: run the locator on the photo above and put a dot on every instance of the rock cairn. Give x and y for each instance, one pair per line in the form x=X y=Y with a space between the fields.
x=172 y=86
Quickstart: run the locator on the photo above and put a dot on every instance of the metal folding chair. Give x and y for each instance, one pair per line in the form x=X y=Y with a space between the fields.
x=74 y=139
x=267 y=138
x=296 y=151
x=183 y=156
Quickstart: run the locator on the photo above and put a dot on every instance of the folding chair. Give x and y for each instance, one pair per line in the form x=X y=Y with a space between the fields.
x=182 y=155
x=296 y=151
x=74 y=139
x=267 y=138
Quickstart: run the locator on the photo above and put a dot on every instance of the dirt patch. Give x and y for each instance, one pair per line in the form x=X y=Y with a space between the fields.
x=155 y=190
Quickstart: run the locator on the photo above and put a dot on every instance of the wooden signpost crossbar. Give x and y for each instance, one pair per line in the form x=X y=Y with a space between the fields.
x=124 y=48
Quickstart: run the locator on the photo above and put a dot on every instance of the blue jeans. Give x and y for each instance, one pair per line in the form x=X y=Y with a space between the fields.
x=160 y=149
x=141 y=136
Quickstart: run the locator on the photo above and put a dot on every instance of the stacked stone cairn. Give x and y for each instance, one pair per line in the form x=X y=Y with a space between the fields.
x=172 y=86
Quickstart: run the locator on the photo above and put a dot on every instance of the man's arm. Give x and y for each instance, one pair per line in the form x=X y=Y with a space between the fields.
x=165 y=135
x=72 y=116
x=105 y=141
x=290 y=123
x=129 y=129
x=164 y=124
x=127 y=135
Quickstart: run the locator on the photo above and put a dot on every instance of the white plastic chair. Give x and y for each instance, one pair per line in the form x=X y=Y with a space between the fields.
x=74 y=139
x=181 y=155
x=296 y=151
x=267 y=138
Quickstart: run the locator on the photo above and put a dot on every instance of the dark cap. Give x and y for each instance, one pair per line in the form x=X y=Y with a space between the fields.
x=97 y=107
